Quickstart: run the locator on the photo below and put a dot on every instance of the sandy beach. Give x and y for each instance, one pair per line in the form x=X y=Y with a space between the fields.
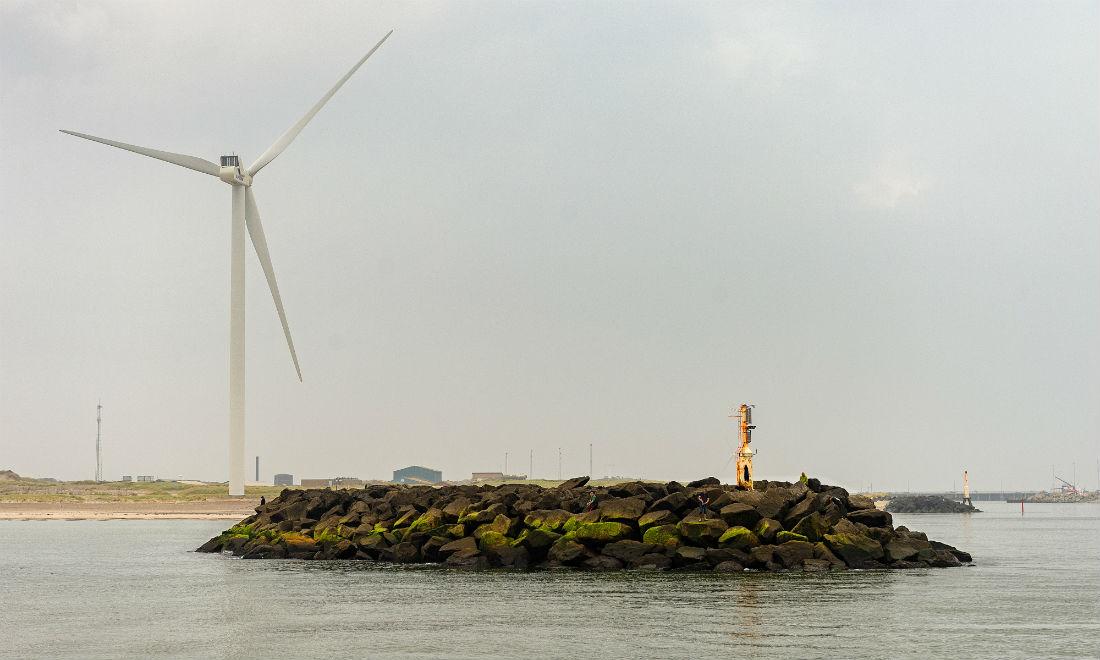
x=227 y=509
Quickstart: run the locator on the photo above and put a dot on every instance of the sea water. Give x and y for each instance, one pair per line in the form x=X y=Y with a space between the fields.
x=88 y=589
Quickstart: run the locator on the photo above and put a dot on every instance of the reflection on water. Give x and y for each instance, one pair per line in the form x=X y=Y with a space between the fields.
x=747 y=604
x=133 y=588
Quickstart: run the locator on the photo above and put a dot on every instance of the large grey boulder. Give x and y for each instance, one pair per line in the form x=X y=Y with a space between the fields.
x=465 y=543
x=656 y=519
x=803 y=508
x=689 y=556
x=568 y=552
x=856 y=550
x=792 y=553
x=740 y=514
x=813 y=527
x=871 y=517
x=628 y=550
x=574 y=483
x=627 y=509
x=675 y=502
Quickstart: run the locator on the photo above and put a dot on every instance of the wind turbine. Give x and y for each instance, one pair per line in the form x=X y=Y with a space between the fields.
x=245 y=216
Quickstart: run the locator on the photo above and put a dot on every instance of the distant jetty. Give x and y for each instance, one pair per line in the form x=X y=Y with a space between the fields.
x=927 y=504
x=637 y=525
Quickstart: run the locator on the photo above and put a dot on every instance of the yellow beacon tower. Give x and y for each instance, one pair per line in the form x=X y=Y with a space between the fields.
x=744 y=452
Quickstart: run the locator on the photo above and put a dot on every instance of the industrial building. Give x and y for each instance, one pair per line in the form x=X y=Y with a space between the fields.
x=316 y=483
x=335 y=482
x=416 y=474
x=487 y=476
x=497 y=476
x=284 y=480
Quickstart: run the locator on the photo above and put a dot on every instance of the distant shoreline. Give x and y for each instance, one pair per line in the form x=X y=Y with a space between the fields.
x=205 y=510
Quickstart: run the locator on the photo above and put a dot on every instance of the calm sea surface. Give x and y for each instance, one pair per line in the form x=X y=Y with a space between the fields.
x=135 y=589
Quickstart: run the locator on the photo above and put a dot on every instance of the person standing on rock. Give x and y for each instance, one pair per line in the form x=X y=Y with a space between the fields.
x=263 y=500
x=703 y=502
x=591 y=503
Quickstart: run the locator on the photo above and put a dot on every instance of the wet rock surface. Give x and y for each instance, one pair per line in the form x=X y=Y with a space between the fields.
x=779 y=526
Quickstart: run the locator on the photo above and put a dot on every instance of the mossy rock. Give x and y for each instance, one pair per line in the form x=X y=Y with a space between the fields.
x=456 y=531
x=245 y=530
x=371 y=543
x=767 y=528
x=854 y=549
x=438 y=531
x=427 y=521
x=492 y=539
x=602 y=532
x=333 y=533
x=484 y=515
x=327 y=535
x=567 y=552
x=627 y=509
x=297 y=542
x=539 y=539
x=580 y=519
x=501 y=523
x=702 y=532
x=552 y=520
x=405 y=519
x=813 y=527
x=785 y=537
x=665 y=535
x=656 y=519
x=738 y=538
x=456 y=508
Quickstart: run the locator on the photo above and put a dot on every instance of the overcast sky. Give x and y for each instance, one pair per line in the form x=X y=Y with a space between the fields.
x=525 y=226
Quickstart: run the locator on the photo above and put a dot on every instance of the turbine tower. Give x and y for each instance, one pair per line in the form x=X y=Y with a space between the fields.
x=245 y=216
x=98 y=453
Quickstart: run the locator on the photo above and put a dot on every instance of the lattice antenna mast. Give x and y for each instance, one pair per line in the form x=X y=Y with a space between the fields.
x=98 y=445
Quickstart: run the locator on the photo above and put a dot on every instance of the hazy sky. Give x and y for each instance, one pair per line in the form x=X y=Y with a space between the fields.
x=527 y=226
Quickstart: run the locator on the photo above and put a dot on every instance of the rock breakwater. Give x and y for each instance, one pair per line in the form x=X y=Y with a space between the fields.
x=637 y=525
x=927 y=504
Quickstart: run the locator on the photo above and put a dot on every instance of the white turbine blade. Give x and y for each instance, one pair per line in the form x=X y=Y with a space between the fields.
x=256 y=231
x=286 y=138
x=183 y=160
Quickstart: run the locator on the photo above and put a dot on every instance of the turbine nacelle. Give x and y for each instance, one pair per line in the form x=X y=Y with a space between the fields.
x=231 y=172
